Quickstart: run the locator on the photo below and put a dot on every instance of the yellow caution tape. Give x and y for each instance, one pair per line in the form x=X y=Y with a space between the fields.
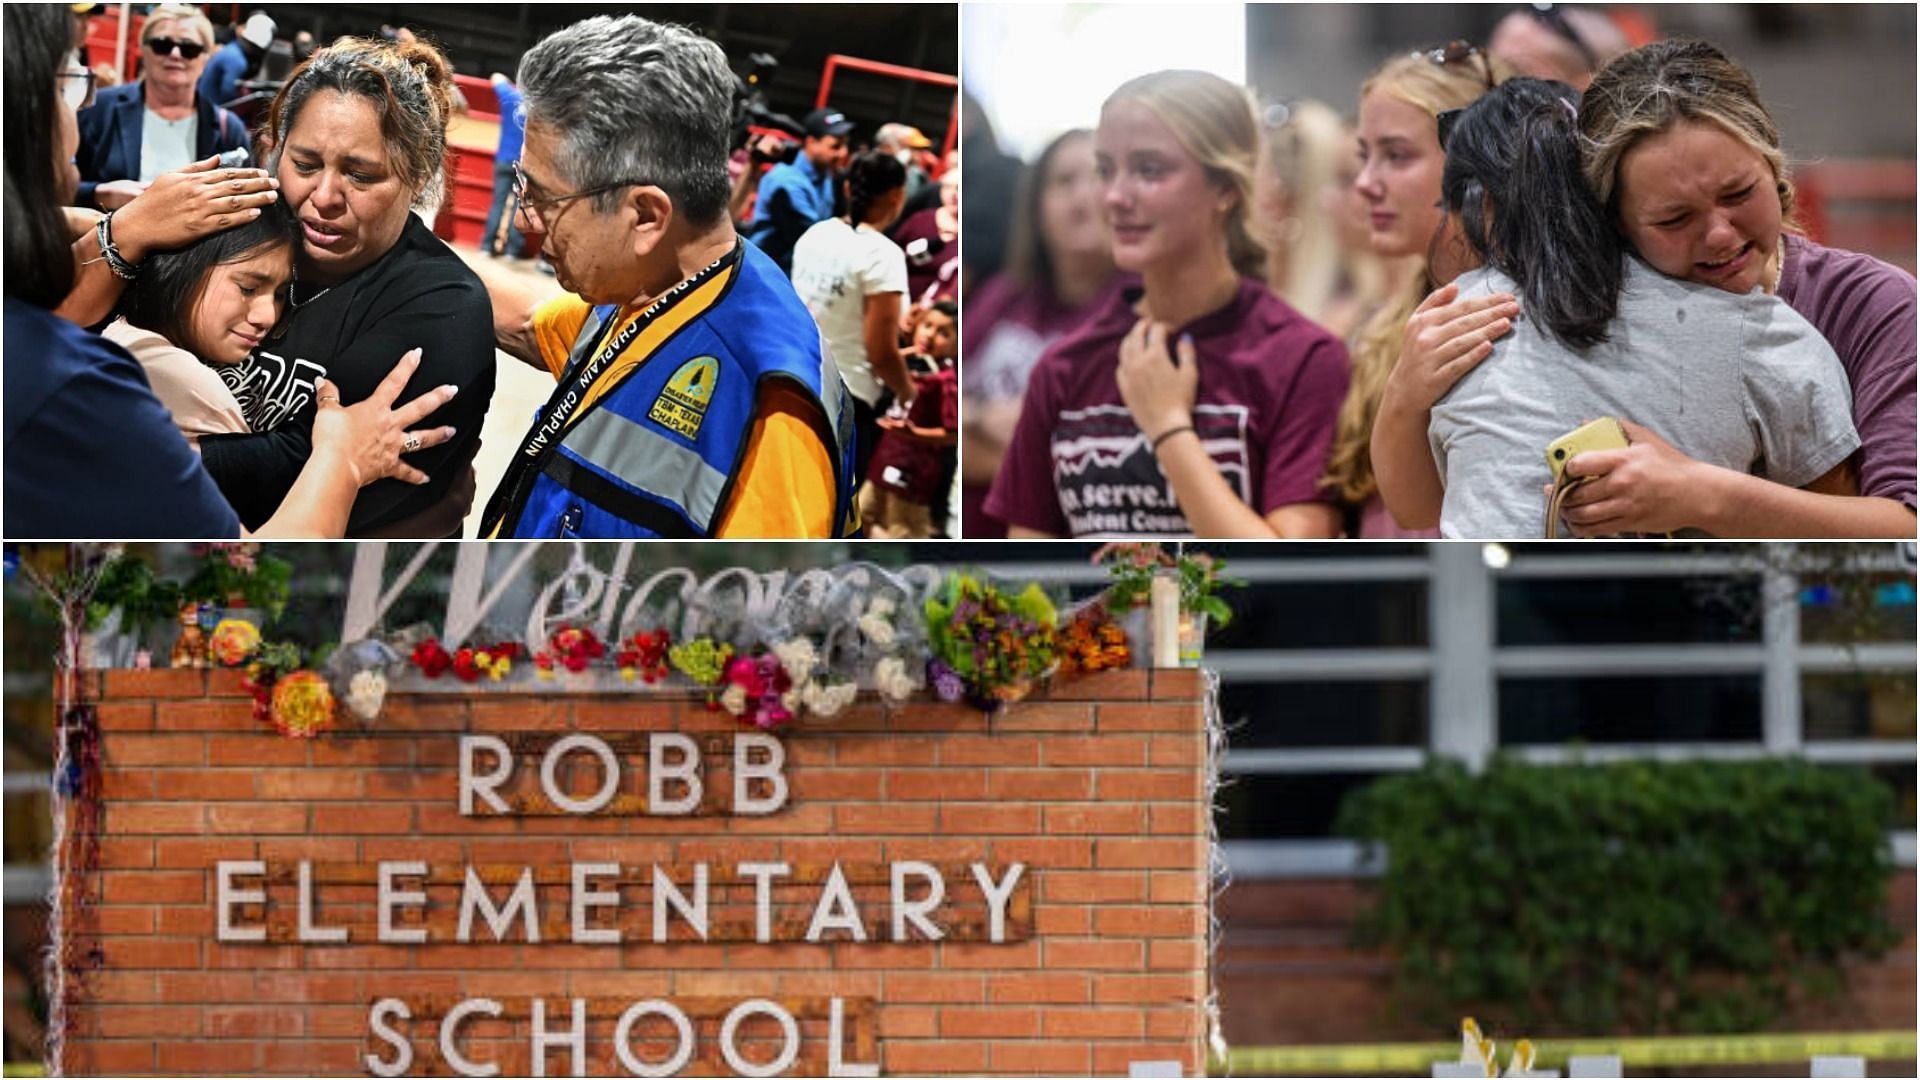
x=1416 y=1059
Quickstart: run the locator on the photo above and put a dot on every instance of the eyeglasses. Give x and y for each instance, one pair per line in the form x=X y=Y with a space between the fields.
x=76 y=88
x=188 y=50
x=537 y=205
x=1550 y=16
x=1458 y=52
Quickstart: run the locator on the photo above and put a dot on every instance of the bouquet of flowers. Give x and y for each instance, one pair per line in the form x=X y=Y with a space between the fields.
x=997 y=645
x=571 y=647
x=273 y=661
x=471 y=662
x=143 y=598
x=644 y=656
x=704 y=661
x=357 y=673
x=812 y=686
x=756 y=689
x=1093 y=642
x=237 y=575
x=1132 y=566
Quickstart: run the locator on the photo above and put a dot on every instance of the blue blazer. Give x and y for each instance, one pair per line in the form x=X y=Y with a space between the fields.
x=110 y=136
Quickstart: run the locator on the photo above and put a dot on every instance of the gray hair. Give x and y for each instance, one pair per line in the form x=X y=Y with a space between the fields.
x=635 y=100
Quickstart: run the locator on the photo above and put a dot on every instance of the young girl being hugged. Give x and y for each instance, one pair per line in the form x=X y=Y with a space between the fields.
x=1194 y=402
x=194 y=314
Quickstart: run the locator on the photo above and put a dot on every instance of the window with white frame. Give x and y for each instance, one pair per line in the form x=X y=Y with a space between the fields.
x=1360 y=665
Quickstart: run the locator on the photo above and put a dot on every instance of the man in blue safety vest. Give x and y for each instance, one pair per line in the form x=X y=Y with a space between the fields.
x=695 y=395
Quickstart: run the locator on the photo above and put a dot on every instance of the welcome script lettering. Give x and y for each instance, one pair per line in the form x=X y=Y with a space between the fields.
x=498 y=904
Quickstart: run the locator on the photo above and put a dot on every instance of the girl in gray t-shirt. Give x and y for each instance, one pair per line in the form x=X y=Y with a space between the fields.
x=1740 y=382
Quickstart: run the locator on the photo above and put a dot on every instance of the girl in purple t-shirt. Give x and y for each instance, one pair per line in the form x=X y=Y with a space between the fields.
x=1196 y=402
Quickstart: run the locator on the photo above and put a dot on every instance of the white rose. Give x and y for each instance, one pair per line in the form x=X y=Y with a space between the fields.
x=790 y=700
x=734 y=699
x=881 y=605
x=827 y=701
x=878 y=630
x=890 y=677
x=365 y=694
x=798 y=657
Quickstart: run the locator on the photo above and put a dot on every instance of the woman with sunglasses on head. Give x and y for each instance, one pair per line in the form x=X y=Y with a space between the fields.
x=356 y=138
x=89 y=451
x=1738 y=380
x=1399 y=182
x=159 y=123
x=1193 y=401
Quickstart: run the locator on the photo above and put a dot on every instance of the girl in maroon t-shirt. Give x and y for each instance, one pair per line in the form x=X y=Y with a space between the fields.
x=1197 y=402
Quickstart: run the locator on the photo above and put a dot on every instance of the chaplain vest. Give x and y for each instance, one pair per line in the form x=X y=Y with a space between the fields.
x=648 y=429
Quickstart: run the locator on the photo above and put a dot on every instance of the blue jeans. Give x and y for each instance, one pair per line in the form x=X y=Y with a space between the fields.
x=503 y=203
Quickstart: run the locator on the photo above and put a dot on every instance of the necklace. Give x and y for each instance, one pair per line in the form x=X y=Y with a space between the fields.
x=1779 y=267
x=298 y=304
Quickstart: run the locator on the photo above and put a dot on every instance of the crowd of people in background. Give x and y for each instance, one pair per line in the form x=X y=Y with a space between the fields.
x=1205 y=317
x=235 y=275
x=870 y=236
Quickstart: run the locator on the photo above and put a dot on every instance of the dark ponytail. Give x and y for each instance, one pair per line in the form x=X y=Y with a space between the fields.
x=871 y=177
x=1513 y=177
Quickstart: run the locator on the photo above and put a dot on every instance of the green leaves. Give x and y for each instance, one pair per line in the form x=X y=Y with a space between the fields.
x=144 y=599
x=1641 y=896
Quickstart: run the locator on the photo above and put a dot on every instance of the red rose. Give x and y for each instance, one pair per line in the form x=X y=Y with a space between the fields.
x=431 y=658
x=464 y=667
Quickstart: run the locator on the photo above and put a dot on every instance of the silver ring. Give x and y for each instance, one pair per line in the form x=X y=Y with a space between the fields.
x=412 y=443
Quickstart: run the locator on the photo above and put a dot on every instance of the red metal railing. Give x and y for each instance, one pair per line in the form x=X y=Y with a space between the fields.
x=895 y=71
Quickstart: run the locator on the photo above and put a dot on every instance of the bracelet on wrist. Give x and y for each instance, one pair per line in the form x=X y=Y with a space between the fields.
x=1154 y=447
x=103 y=233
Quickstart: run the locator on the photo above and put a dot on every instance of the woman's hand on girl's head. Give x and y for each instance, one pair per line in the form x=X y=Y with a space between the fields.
x=1649 y=487
x=372 y=435
x=1158 y=392
x=181 y=207
x=1446 y=338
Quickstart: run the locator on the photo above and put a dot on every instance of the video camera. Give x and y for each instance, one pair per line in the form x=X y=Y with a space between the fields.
x=750 y=109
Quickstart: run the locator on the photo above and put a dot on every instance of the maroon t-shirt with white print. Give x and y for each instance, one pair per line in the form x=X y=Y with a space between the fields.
x=1271 y=384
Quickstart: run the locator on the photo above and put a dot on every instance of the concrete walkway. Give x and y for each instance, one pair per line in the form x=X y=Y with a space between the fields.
x=518 y=393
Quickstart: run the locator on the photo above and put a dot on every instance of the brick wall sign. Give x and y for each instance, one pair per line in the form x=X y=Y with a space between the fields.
x=624 y=883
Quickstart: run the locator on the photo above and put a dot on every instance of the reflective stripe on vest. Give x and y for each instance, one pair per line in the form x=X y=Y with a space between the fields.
x=646 y=459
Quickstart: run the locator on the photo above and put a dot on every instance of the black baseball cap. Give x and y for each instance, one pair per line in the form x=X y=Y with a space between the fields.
x=827 y=122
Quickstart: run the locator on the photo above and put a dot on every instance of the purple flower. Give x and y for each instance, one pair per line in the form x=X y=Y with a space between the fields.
x=947 y=684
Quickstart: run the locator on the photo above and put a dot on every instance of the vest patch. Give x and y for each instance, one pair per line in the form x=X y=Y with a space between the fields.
x=682 y=404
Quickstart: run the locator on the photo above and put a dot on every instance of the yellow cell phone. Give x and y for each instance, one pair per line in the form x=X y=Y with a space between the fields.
x=1602 y=434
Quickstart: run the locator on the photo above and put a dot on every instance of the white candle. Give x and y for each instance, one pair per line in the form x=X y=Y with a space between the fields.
x=1165 y=596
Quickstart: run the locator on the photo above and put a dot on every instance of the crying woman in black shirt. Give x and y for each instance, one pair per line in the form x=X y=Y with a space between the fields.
x=357 y=137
